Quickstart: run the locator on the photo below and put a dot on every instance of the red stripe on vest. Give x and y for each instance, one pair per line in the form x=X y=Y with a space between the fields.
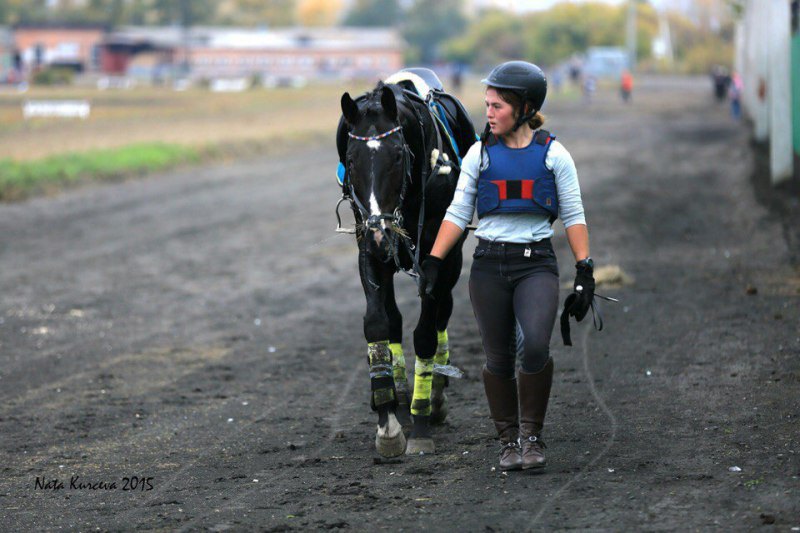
x=501 y=185
x=527 y=189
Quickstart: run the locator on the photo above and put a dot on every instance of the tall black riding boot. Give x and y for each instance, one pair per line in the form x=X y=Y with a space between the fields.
x=502 y=396
x=534 y=392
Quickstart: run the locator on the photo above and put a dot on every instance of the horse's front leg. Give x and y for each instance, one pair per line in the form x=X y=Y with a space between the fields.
x=449 y=274
x=442 y=357
x=425 y=343
x=398 y=358
x=376 y=278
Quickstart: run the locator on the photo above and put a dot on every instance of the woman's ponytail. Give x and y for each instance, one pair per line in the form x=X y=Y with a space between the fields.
x=537 y=121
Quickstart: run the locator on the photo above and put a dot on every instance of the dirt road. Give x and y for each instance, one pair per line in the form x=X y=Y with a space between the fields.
x=202 y=330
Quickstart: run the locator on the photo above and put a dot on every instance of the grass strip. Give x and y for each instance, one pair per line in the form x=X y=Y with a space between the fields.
x=52 y=174
x=21 y=179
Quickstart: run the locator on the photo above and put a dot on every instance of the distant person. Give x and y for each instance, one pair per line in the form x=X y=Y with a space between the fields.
x=558 y=80
x=520 y=180
x=589 y=87
x=626 y=86
x=458 y=73
x=575 y=71
x=720 y=79
x=735 y=95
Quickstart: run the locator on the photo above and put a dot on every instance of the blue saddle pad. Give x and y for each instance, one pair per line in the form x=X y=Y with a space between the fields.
x=340 y=174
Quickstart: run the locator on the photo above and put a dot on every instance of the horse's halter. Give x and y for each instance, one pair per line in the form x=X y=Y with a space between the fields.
x=373 y=222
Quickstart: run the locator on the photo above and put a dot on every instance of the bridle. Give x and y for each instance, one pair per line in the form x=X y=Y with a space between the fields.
x=395 y=219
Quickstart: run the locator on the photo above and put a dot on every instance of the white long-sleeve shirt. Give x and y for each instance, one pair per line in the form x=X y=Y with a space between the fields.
x=517 y=227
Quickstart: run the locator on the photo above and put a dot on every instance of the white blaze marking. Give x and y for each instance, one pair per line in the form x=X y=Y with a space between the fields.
x=373 y=204
x=376 y=210
x=374 y=145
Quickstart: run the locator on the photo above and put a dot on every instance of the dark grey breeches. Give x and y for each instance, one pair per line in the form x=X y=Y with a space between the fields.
x=506 y=287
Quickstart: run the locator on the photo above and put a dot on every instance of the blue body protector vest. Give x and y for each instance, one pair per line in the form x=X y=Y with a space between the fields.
x=517 y=180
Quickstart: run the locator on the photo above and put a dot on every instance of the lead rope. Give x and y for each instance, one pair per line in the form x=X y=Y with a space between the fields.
x=597 y=315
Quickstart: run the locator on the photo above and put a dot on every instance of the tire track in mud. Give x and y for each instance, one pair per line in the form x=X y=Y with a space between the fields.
x=241 y=432
x=163 y=485
x=118 y=433
x=253 y=489
x=84 y=246
x=609 y=441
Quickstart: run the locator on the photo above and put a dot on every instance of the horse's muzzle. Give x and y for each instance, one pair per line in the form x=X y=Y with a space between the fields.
x=381 y=240
x=380 y=230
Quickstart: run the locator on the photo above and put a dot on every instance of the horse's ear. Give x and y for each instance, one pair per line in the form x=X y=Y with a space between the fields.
x=389 y=103
x=349 y=109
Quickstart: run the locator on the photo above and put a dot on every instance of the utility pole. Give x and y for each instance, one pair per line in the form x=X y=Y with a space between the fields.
x=186 y=23
x=631 y=35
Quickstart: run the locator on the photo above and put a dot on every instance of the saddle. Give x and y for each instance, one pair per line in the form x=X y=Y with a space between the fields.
x=424 y=86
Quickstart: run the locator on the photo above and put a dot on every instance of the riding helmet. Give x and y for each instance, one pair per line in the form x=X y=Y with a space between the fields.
x=525 y=78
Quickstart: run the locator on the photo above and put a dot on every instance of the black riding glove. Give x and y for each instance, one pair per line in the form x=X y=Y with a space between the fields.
x=429 y=271
x=584 y=289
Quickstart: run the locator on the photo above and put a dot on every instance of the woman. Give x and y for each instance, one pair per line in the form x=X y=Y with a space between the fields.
x=520 y=179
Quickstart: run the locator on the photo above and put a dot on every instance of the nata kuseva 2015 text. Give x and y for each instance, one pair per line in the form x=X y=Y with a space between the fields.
x=128 y=484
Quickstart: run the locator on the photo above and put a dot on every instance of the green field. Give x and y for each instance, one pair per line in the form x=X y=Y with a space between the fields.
x=147 y=129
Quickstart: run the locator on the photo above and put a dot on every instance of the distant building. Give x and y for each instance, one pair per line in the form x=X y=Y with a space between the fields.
x=159 y=53
x=606 y=61
x=518 y=7
x=69 y=46
x=6 y=55
x=214 y=52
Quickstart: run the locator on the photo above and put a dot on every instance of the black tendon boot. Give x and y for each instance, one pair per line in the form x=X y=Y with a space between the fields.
x=502 y=396
x=534 y=392
x=389 y=438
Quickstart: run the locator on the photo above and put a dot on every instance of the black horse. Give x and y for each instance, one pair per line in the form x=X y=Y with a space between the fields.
x=401 y=173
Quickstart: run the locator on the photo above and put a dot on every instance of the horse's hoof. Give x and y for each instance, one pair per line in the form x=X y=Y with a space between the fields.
x=439 y=407
x=420 y=446
x=389 y=439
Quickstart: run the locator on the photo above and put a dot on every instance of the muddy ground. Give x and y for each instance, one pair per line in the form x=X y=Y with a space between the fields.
x=202 y=330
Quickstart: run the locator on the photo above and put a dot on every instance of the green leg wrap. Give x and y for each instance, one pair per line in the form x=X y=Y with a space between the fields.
x=442 y=357
x=380 y=374
x=423 y=377
x=398 y=362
